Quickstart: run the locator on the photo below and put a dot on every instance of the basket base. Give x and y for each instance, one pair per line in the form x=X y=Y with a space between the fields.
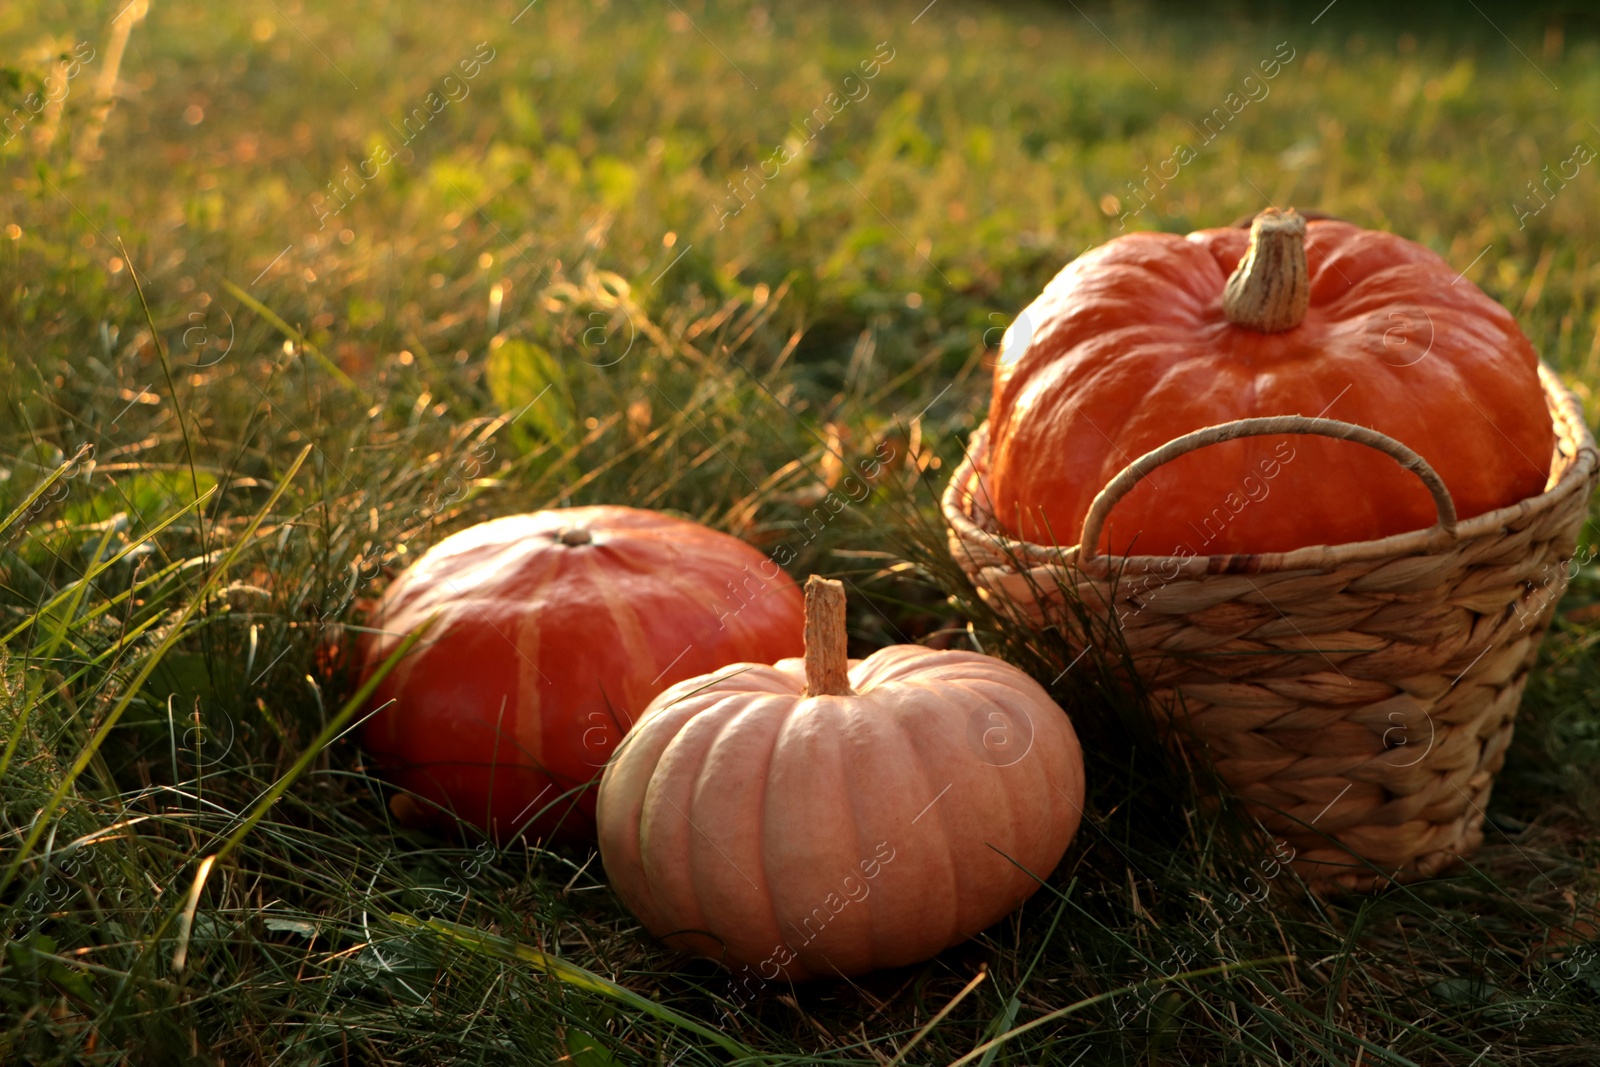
x=1368 y=794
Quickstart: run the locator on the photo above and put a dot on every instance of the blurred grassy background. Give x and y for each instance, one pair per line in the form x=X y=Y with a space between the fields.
x=552 y=268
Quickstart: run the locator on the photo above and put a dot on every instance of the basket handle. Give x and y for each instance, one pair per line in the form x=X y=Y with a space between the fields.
x=1135 y=472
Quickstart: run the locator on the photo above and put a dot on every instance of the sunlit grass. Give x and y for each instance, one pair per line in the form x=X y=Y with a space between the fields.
x=546 y=299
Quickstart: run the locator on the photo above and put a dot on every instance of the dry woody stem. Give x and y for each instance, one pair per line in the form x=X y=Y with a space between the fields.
x=827 y=644
x=1271 y=288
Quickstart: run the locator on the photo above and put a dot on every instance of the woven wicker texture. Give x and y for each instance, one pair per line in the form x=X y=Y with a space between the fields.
x=1358 y=697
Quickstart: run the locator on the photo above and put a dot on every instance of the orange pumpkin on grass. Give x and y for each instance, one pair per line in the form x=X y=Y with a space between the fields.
x=1152 y=336
x=553 y=632
x=822 y=817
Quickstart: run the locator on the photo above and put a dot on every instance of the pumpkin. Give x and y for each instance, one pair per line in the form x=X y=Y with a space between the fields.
x=1153 y=335
x=828 y=817
x=553 y=632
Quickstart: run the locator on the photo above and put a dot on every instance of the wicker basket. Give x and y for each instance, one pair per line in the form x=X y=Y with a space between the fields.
x=1359 y=698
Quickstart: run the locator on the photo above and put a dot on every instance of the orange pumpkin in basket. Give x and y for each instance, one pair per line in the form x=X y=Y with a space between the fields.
x=1152 y=336
x=551 y=634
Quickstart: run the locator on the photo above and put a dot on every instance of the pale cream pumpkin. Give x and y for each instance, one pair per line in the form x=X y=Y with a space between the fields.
x=820 y=817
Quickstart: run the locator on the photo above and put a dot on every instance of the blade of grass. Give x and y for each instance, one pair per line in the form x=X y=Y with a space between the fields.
x=186 y=922
x=1077 y=1006
x=172 y=389
x=905 y=1049
x=571 y=974
x=329 y=734
x=259 y=809
x=175 y=632
x=298 y=338
x=36 y=678
x=100 y=566
x=43 y=487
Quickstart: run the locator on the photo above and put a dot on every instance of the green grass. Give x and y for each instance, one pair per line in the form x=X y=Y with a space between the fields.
x=544 y=279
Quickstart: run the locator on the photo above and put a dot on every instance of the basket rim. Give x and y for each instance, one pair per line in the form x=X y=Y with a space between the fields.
x=1575 y=448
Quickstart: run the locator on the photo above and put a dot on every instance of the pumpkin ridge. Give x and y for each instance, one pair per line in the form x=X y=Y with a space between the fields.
x=739 y=674
x=1085 y=492
x=742 y=623
x=685 y=907
x=1018 y=836
x=1064 y=335
x=802 y=716
x=859 y=711
x=527 y=719
x=632 y=768
x=882 y=669
x=1534 y=467
x=775 y=706
x=623 y=609
x=855 y=790
x=761 y=823
x=692 y=591
x=953 y=883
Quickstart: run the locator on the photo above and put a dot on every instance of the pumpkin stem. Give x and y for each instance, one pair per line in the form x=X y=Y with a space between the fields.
x=1271 y=288
x=827 y=644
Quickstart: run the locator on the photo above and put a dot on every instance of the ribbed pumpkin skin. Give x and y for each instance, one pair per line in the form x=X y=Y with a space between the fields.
x=545 y=653
x=801 y=836
x=1130 y=349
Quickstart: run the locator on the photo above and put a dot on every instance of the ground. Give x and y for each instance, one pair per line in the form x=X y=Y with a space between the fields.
x=315 y=259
